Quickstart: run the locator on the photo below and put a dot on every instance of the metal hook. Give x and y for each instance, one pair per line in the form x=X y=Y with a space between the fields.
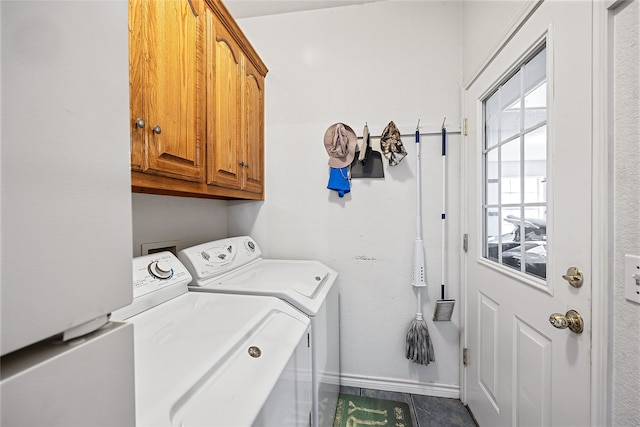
x=443 y=121
x=418 y=125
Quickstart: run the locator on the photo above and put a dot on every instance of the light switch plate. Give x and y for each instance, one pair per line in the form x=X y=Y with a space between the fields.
x=632 y=278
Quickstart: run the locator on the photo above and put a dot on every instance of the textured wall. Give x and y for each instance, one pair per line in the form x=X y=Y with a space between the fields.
x=626 y=124
x=374 y=63
x=478 y=37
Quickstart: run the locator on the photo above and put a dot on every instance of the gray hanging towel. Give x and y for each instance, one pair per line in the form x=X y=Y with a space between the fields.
x=391 y=144
x=364 y=144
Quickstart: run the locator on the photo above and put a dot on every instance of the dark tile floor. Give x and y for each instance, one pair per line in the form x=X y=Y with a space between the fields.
x=426 y=411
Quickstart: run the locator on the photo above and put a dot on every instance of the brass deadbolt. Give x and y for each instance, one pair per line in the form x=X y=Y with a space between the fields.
x=574 y=277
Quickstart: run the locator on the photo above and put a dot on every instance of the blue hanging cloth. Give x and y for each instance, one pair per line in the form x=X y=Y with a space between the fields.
x=339 y=180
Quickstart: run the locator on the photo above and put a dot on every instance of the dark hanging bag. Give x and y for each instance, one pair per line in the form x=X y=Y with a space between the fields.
x=371 y=166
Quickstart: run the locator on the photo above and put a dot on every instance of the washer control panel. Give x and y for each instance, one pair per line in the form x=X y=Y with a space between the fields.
x=157 y=271
x=214 y=258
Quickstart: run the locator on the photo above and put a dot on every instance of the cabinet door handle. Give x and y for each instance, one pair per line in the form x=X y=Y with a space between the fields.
x=157 y=130
x=243 y=164
x=140 y=123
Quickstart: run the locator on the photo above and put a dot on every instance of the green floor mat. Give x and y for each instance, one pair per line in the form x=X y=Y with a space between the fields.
x=354 y=411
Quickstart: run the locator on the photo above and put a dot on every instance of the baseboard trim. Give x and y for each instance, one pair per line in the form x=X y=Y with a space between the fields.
x=402 y=386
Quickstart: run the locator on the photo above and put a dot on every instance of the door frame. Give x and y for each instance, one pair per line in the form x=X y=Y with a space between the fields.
x=601 y=207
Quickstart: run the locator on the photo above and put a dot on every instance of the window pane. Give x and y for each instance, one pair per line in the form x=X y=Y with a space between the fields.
x=535 y=89
x=536 y=242
x=492 y=231
x=491 y=121
x=492 y=171
x=535 y=104
x=511 y=226
x=536 y=260
x=511 y=220
x=510 y=172
x=535 y=224
x=510 y=107
x=535 y=166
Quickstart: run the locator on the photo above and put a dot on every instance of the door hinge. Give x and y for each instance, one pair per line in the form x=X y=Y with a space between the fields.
x=465 y=242
x=465 y=356
x=464 y=126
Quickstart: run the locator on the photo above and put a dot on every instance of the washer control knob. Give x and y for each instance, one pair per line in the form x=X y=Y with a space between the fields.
x=160 y=270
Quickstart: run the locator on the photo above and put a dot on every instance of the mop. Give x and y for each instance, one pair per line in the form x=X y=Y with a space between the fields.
x=418 y=346
x=444 y=307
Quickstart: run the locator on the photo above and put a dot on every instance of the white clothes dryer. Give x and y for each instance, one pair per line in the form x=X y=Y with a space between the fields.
x=235 y=266
x=214 y=359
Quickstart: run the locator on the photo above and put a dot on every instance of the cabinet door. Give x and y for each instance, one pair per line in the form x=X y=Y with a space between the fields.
x=174 y=79
x=253 y=127
x=224 y=77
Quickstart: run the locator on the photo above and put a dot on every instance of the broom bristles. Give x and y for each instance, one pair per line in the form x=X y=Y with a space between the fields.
x=419 y=348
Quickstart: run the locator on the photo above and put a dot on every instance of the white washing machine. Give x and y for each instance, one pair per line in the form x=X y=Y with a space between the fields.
x=235 y=266
x=213 y=359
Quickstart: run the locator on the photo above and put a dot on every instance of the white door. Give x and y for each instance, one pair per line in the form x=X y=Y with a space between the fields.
x=528 y=219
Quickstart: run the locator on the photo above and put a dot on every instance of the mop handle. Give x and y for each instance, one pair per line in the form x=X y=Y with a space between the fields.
x=444 y=204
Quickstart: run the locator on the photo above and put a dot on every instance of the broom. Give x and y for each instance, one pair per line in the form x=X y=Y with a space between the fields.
x=418 y=344
x=444 y=307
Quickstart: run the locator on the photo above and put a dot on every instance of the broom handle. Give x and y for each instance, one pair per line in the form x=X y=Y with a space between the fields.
x=444 y=204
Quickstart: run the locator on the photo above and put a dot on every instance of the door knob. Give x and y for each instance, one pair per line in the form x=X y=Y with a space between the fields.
x=157 y=130
x=574 y=277
x=140 y=123
x=571 y=320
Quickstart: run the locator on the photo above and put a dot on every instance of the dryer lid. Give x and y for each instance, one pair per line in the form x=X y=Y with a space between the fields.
x=304 y=277
x=304 y=284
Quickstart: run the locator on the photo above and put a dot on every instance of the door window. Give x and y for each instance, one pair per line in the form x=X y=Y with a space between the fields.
x=515 y=169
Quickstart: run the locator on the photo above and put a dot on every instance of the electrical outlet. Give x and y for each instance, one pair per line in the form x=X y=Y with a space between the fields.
x=632 y=278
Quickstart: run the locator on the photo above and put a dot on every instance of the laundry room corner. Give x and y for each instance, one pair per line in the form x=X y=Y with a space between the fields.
x=366 y=64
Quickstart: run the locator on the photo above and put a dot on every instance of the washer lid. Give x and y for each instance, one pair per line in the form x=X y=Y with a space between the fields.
x=192 y=358
x=304 y=284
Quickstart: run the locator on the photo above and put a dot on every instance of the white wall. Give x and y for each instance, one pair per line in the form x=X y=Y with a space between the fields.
x=486 y=23
x=626 y=203
x=190 y=221
x=396 y=60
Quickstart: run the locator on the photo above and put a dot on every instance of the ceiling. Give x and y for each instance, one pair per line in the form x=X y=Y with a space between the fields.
x=251 y=8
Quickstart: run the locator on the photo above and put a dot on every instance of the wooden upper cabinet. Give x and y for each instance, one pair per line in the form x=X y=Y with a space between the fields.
x=253 y=128
x=224 y=83
x=167 y=83
x=235 y=119
x=197 y=102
